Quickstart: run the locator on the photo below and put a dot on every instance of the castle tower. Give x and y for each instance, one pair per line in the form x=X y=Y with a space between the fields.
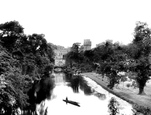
x=87 y=44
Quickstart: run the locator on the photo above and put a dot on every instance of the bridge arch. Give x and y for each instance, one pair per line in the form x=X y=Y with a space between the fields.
x=59 y=68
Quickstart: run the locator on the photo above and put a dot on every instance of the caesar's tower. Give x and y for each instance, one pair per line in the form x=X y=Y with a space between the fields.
x=87 y=44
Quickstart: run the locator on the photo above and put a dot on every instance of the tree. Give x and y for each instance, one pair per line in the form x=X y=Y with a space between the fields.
x=37 y=53
x=113 y=106
x=111 y=60
x=89 y=54
x=50 y=52
x=74 y=57
x=75 y=47
x=13 y=83
x=10 y=32
x=139 y=51
x=22 y=60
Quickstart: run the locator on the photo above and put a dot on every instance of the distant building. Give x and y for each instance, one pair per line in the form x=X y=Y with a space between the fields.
x=87 y=44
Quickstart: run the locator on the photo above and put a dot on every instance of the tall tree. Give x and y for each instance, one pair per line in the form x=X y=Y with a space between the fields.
x=14 y=84
x=139 y=51
x=22 y=60
x=74 y=56
x=10 y=32
x=75 y=47
x=111 y=59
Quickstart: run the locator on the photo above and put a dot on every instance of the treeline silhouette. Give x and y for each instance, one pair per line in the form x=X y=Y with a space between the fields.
x=110 y=59
x=23 y=60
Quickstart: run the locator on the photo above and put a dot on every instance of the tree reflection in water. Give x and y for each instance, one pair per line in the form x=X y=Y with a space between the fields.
x=82 y=86
x=77 y=82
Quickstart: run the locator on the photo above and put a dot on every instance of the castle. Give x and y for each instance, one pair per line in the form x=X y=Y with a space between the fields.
x=87 y=44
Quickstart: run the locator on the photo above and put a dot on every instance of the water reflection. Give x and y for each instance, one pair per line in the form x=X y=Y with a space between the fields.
x=100 y=96
x=77 y=82
x=85 y=92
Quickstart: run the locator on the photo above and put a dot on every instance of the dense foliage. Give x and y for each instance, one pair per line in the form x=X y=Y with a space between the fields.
x=22 y=60
x=139 y=53
x=113 y=106
x=109 y=59
x=78 y=59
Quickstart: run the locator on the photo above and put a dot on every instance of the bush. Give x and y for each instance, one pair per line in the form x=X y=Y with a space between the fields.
x=113 y=106
x=141 y=109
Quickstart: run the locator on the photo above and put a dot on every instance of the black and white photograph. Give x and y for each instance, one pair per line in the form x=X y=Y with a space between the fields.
x=75 y=57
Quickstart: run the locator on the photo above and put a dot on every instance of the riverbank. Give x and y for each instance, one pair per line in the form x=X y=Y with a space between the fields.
x=138 y=101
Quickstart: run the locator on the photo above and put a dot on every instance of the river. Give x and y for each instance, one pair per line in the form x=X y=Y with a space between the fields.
x=95 y=103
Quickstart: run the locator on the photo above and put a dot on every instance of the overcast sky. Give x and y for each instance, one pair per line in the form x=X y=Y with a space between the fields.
x=67 y=21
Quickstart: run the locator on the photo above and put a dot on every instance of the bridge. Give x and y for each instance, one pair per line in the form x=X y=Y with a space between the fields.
x=62 y=66
x=59 y=68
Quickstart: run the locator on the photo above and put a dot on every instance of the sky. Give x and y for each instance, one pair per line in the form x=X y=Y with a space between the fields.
x=64 y=22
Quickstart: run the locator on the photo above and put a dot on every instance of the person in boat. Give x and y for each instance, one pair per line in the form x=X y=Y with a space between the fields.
x=71 y=102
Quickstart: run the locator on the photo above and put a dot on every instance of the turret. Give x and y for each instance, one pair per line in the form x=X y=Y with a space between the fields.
x=87 y=44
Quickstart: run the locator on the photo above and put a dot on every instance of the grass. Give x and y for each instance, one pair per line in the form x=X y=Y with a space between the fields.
x=128 y=94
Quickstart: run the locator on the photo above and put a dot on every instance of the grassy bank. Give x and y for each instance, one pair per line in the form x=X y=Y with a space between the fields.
x=139 y=102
